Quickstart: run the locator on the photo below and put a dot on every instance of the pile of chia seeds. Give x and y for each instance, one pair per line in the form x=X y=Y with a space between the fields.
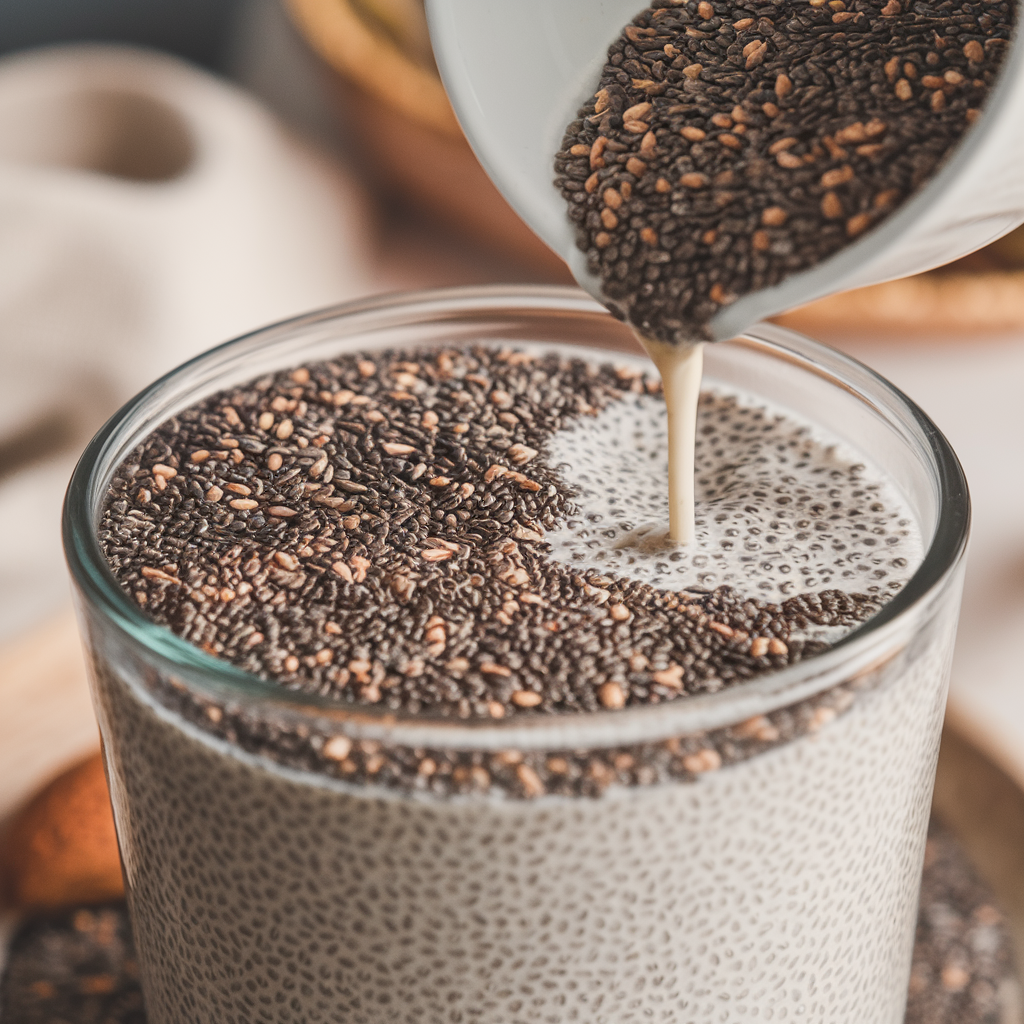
x=371 y=530
x=731 y=143
x=73 y=967
x=79 y=967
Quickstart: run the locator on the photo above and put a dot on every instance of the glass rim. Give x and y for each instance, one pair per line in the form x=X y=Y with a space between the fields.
x=854 y=654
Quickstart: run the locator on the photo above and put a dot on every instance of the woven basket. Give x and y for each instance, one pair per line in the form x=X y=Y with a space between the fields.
x=392 y=98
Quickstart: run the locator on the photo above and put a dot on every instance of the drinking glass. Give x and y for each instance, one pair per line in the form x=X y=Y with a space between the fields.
x=780 y=887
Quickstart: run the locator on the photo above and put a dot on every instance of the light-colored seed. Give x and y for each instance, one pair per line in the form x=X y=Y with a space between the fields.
x=530 y=781
x=427 y=767
x=366 y=368
x=526 y=699
x=705 y=10
x=891 y=9
x=342 y=570
x=291 y=663
x=439 y=481
x=720 y=295
x=158 y=574
x=974 y=51
x=692 y=71
x=394 y=448
x=756 y=57
x=167 y=472
x=636 y=167
x=602 y=240
x=777 y=646
x=783 y=86
x=886 y=199
x=781 y=145
x=285 y=429
x=637 y=112
x=774 y=216
x=286 y=560
x=636 y=127
x=359 y=567
x=597 y=151
x=602 y=101
x=671 y=677
x=649 y=236
x=730 y=141
x=742 y=24
x=759 y=647
x=611 y=696
x=692 y=134
x=280 y=511
x=648 y=144
x=953 y=77
x=214 y=493
x=760 y=241
x=608 y=219
x=694 y=180
x=238 y=488
x=619 y=612
x=489 y=668
x=266 y=420
x=938 y=100
x=274 y=462
x=301 y=375
x=612 y=198
x=200 y=456
x=821 y=717
x=243 y=504
x=521 y=453
x=831 y=206
x=789 y=160
x=955 y=978
x=858 y=224
x=903 y=90
x=706 y=760
x=436 y=554
x=337 y=748
x=933 y=82
x=837 y=176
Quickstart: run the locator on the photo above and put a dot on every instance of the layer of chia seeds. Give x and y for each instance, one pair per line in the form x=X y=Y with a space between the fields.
x=372 y=530
x=731 y=144
x=79 y=966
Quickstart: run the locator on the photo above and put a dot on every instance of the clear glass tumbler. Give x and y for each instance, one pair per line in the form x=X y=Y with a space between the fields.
x=781 y=887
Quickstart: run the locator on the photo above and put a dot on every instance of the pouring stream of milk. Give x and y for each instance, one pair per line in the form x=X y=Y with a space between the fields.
x=681 y=367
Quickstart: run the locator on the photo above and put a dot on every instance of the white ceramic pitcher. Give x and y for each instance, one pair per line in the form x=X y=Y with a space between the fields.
x=517 y=71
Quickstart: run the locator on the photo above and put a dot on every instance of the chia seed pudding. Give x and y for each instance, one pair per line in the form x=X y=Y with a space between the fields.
x=80 y=965
x=467 y=537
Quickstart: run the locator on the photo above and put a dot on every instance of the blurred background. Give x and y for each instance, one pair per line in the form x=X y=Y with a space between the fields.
x=176 y=172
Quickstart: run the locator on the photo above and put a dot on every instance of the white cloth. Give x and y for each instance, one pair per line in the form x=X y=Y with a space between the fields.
x=147 y=211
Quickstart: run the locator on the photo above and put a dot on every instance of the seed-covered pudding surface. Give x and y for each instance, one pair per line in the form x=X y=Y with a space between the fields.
x=476 y=534
x=729 y=145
